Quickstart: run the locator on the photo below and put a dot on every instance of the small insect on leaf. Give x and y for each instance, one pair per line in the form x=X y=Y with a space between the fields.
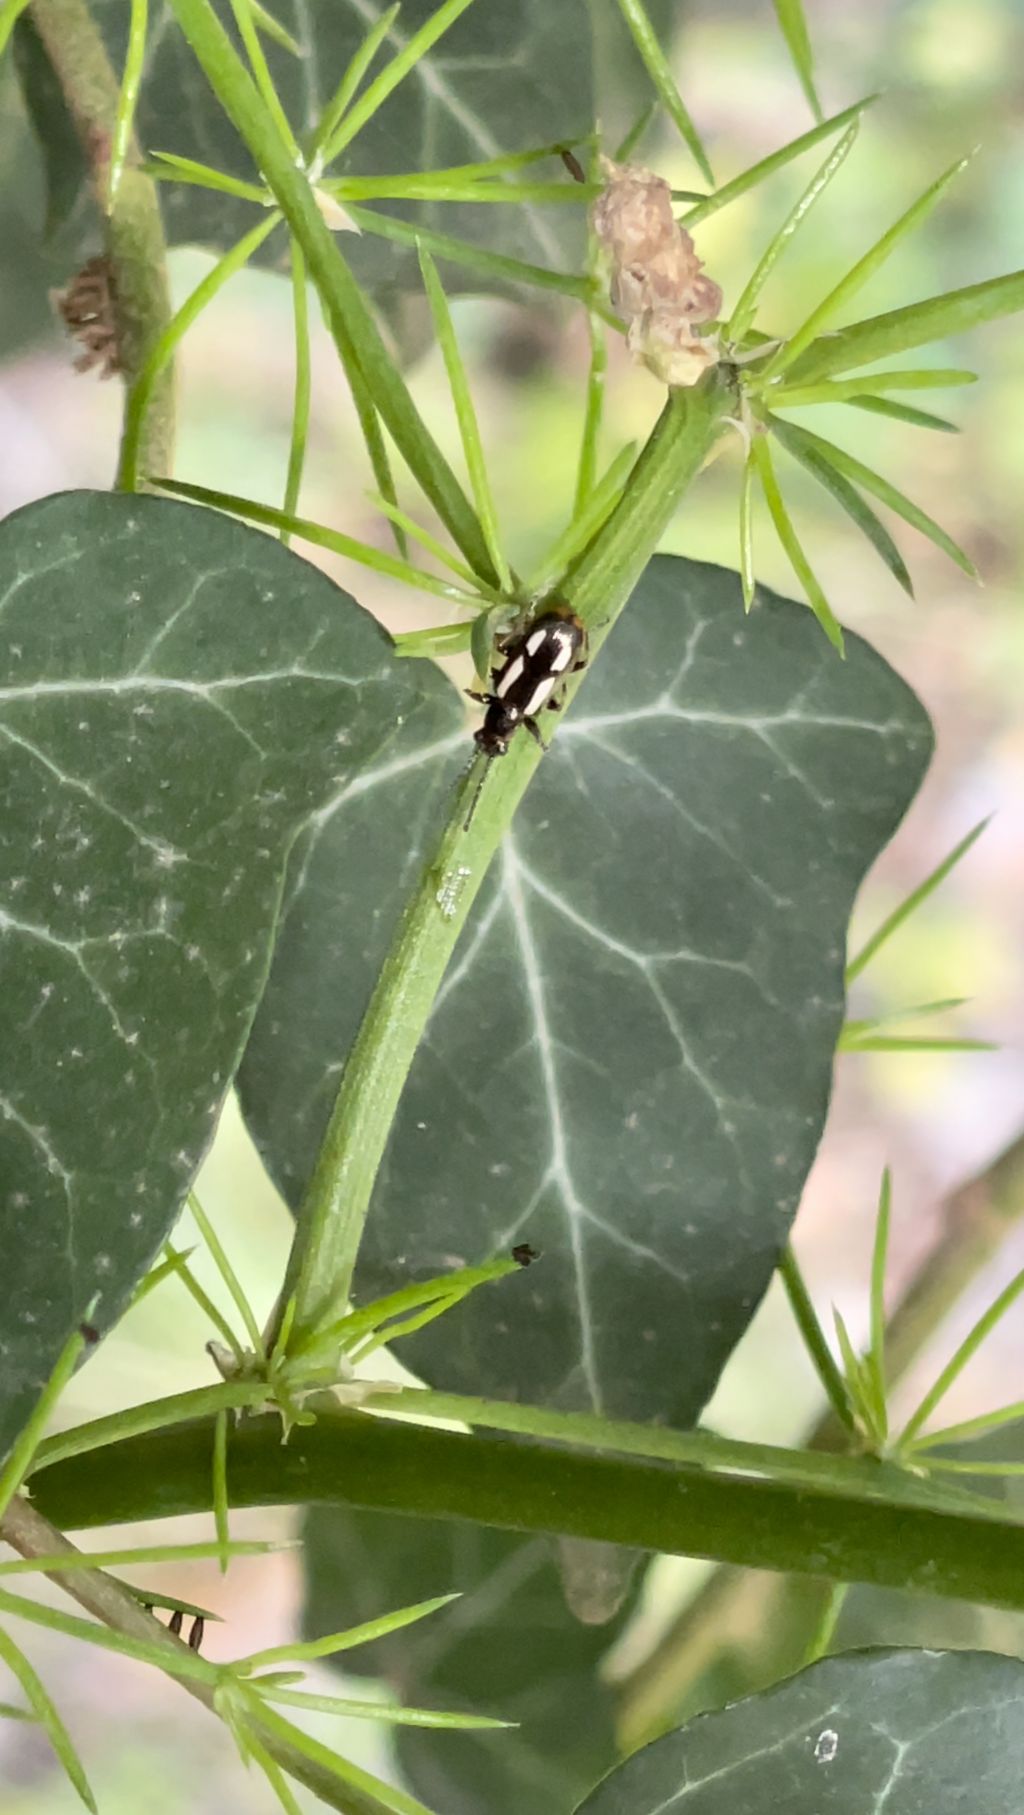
x=572 y=165
x=538 y=661
x=524 y=1255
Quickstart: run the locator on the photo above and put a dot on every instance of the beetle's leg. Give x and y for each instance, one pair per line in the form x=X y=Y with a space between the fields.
x=534 y=729
x=484 y=699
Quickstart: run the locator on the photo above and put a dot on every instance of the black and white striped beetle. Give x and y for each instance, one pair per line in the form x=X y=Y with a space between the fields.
x=537 y=660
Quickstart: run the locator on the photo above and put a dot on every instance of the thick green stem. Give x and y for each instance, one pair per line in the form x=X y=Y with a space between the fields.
x=333 y=1213
x=134 y=234
x=353 y=1459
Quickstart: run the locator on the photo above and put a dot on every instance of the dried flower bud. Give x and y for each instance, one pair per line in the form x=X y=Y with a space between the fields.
x=662 y=340
x=88 y=309
x=657 y=280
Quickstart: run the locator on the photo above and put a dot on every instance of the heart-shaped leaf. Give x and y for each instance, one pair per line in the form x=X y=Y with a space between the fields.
x=179 y=693
x=501 y=79
x=894 y=1731
x=629 y=1063
x=509 y=1647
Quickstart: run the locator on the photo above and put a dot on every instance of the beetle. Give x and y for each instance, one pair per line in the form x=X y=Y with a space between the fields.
x=536 y=661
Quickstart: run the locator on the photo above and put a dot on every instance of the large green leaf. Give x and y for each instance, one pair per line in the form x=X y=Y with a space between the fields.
x=629 y=1063
x=508 y=1647
x=502 y=79
x=902 y=1732
x=178 y=694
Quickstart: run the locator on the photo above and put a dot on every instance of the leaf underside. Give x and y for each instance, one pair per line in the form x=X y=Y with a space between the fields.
x=178 y=694
x=508 y=1646
x=903 y=1731
x=630 y=1060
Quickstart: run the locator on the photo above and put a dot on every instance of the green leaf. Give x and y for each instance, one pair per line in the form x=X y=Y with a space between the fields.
x=870 y=525
x=503 y=274
x=851 y=468
x=913 y=901
x=394 y=1715
x=683 y=866
x=127 y=97
x=351 y=79
x=10 y=13
x=465 y=416
x=847 y=390
x=896 y=1730
x=743 y=314
x=905 y=412
x=509 y=1647
x=916 y=325
x=221 y=1501
x=46 y=1714
x=784 y=529
x=271 y=27
x=165 y=166
x=409 y=52
x=160 y=753
x=865 y=268
x=656 y=63
x=814 y=1339
x=968 y=1348
x=879 y=1255
x=748 y=580
x=163 y=350
x=776 y=160
x=367 y=1631
x=791 y=17
x=321 y=536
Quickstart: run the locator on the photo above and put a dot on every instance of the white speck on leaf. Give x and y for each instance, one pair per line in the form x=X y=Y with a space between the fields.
x=826 y=1746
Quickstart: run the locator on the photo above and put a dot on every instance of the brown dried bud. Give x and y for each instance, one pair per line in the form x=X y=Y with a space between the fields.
x=657 y=280
x=663 y=341
x=88 y=309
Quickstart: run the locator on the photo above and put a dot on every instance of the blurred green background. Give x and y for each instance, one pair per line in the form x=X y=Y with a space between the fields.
x=950 y=76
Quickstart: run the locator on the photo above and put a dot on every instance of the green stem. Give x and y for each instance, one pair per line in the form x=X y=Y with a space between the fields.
x=586 y=1430
x=134 y=234
x=355 y=1460
x=334 y=1209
